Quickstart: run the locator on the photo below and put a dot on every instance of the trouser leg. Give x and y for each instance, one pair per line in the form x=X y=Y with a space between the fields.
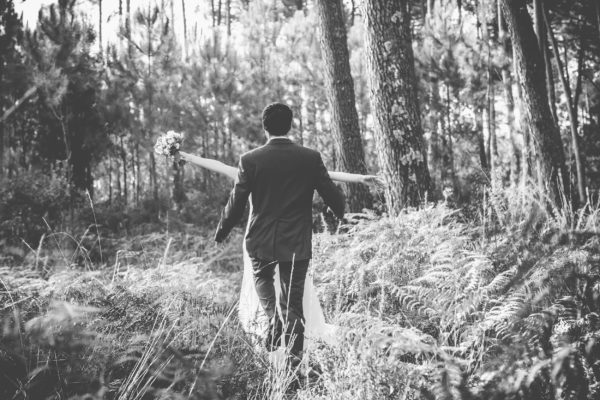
x=264 y=273
x=293 y=275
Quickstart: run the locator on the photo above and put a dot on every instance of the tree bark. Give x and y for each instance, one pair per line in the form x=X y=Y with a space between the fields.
x=598 y=17
x=510 y=102
x=492 y=148
x=185 y=33
x=2 y=148
x=118 y=175
x=128 y=32
x=540 y=31
x=178 y=192
x=212 y=13
x=30 y=92
x=100 y=48
x=124 y=160
x=544 y=129
x=138 y=173
x=481 y=141
x=219 y=14
x=571 y=105
x=512 y=126
x=448 y=144
x=120 y=25
x=398 y=131
x=526 y=156
x=153 y=176
x=340 y=95
x=110 y=180
x=435 y=152
x=228 y=15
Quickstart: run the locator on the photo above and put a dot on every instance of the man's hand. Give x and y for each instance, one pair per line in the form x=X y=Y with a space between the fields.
x=220 y=237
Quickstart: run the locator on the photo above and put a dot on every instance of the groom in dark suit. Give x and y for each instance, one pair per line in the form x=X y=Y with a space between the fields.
x=281 y=177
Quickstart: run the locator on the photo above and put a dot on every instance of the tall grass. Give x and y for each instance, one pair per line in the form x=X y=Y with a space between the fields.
x=464 y=309
x=430 y=305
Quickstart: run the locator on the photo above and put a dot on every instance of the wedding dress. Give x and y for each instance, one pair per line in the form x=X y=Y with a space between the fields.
x=254 y=320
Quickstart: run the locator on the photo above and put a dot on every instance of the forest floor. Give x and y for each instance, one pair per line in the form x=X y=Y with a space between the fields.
x=431 y=305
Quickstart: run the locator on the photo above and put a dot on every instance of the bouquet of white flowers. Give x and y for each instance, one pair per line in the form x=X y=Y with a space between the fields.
x=168 y=144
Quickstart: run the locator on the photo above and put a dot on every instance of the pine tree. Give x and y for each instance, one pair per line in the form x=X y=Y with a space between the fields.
x=544 y=129
x=69 y=129
x=10 y=34
x=341 y=97
x=398 y=132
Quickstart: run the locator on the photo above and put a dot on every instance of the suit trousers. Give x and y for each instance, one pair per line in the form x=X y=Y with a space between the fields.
x=292 y=275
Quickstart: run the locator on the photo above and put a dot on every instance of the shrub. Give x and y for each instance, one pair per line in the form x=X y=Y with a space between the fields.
x=28 y=203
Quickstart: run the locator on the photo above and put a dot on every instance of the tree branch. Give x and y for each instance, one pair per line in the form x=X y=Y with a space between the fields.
x=20 y=101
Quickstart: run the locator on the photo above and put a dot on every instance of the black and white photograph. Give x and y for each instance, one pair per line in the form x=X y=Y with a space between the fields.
x=300 y=199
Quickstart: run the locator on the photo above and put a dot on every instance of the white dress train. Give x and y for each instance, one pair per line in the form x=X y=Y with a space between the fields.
x=254 y=320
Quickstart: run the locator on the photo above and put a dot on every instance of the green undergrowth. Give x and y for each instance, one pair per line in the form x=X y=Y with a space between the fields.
x=430 y=306
x=436 y=307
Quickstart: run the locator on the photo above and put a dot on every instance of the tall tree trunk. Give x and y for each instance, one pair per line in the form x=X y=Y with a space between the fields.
x=219 y=13
x=492 y=152
x=2 y=148
x=124 y=160
x=128 y=31
x=110 y=180
x=172 y=6
x=185 y=35
x=481 y=141
x=571 y=103
x=100 y=48
x=540 y=31
x=212 y=13
x=205 y=150
x=527 y=159
x=544 y=129
x=435 y=153
x=153 y=175
x=118 y=176
x=229 y=131
x=510 y=102
x=515 y=155
x=340 y=95
x=138 y=173
x=450 y=166
x=228 y=17
x=120 y=25
x=550 y=83
x=398 y=131
x=178 y=192
x=598 y=17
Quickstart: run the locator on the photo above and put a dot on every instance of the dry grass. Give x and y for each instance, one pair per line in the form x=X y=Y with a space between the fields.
x=429 y=305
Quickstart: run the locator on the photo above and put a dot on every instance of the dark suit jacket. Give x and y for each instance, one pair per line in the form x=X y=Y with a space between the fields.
x=281 y=178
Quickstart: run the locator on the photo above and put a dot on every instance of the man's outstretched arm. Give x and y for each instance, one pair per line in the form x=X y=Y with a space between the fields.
x=331 y=195
x=234 y=210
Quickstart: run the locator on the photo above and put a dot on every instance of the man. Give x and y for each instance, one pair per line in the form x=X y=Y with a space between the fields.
x=281 y=178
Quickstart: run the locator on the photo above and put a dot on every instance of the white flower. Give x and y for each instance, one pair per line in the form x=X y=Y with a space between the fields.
x=168 y=144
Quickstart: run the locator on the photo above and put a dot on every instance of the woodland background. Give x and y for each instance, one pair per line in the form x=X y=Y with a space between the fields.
x=472 y=274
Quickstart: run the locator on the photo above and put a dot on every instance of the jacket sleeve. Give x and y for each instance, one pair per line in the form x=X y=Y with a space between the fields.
x=331 y=195
x=234 y=210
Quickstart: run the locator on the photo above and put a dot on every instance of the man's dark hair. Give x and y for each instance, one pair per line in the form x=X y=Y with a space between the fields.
x=277 y=119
